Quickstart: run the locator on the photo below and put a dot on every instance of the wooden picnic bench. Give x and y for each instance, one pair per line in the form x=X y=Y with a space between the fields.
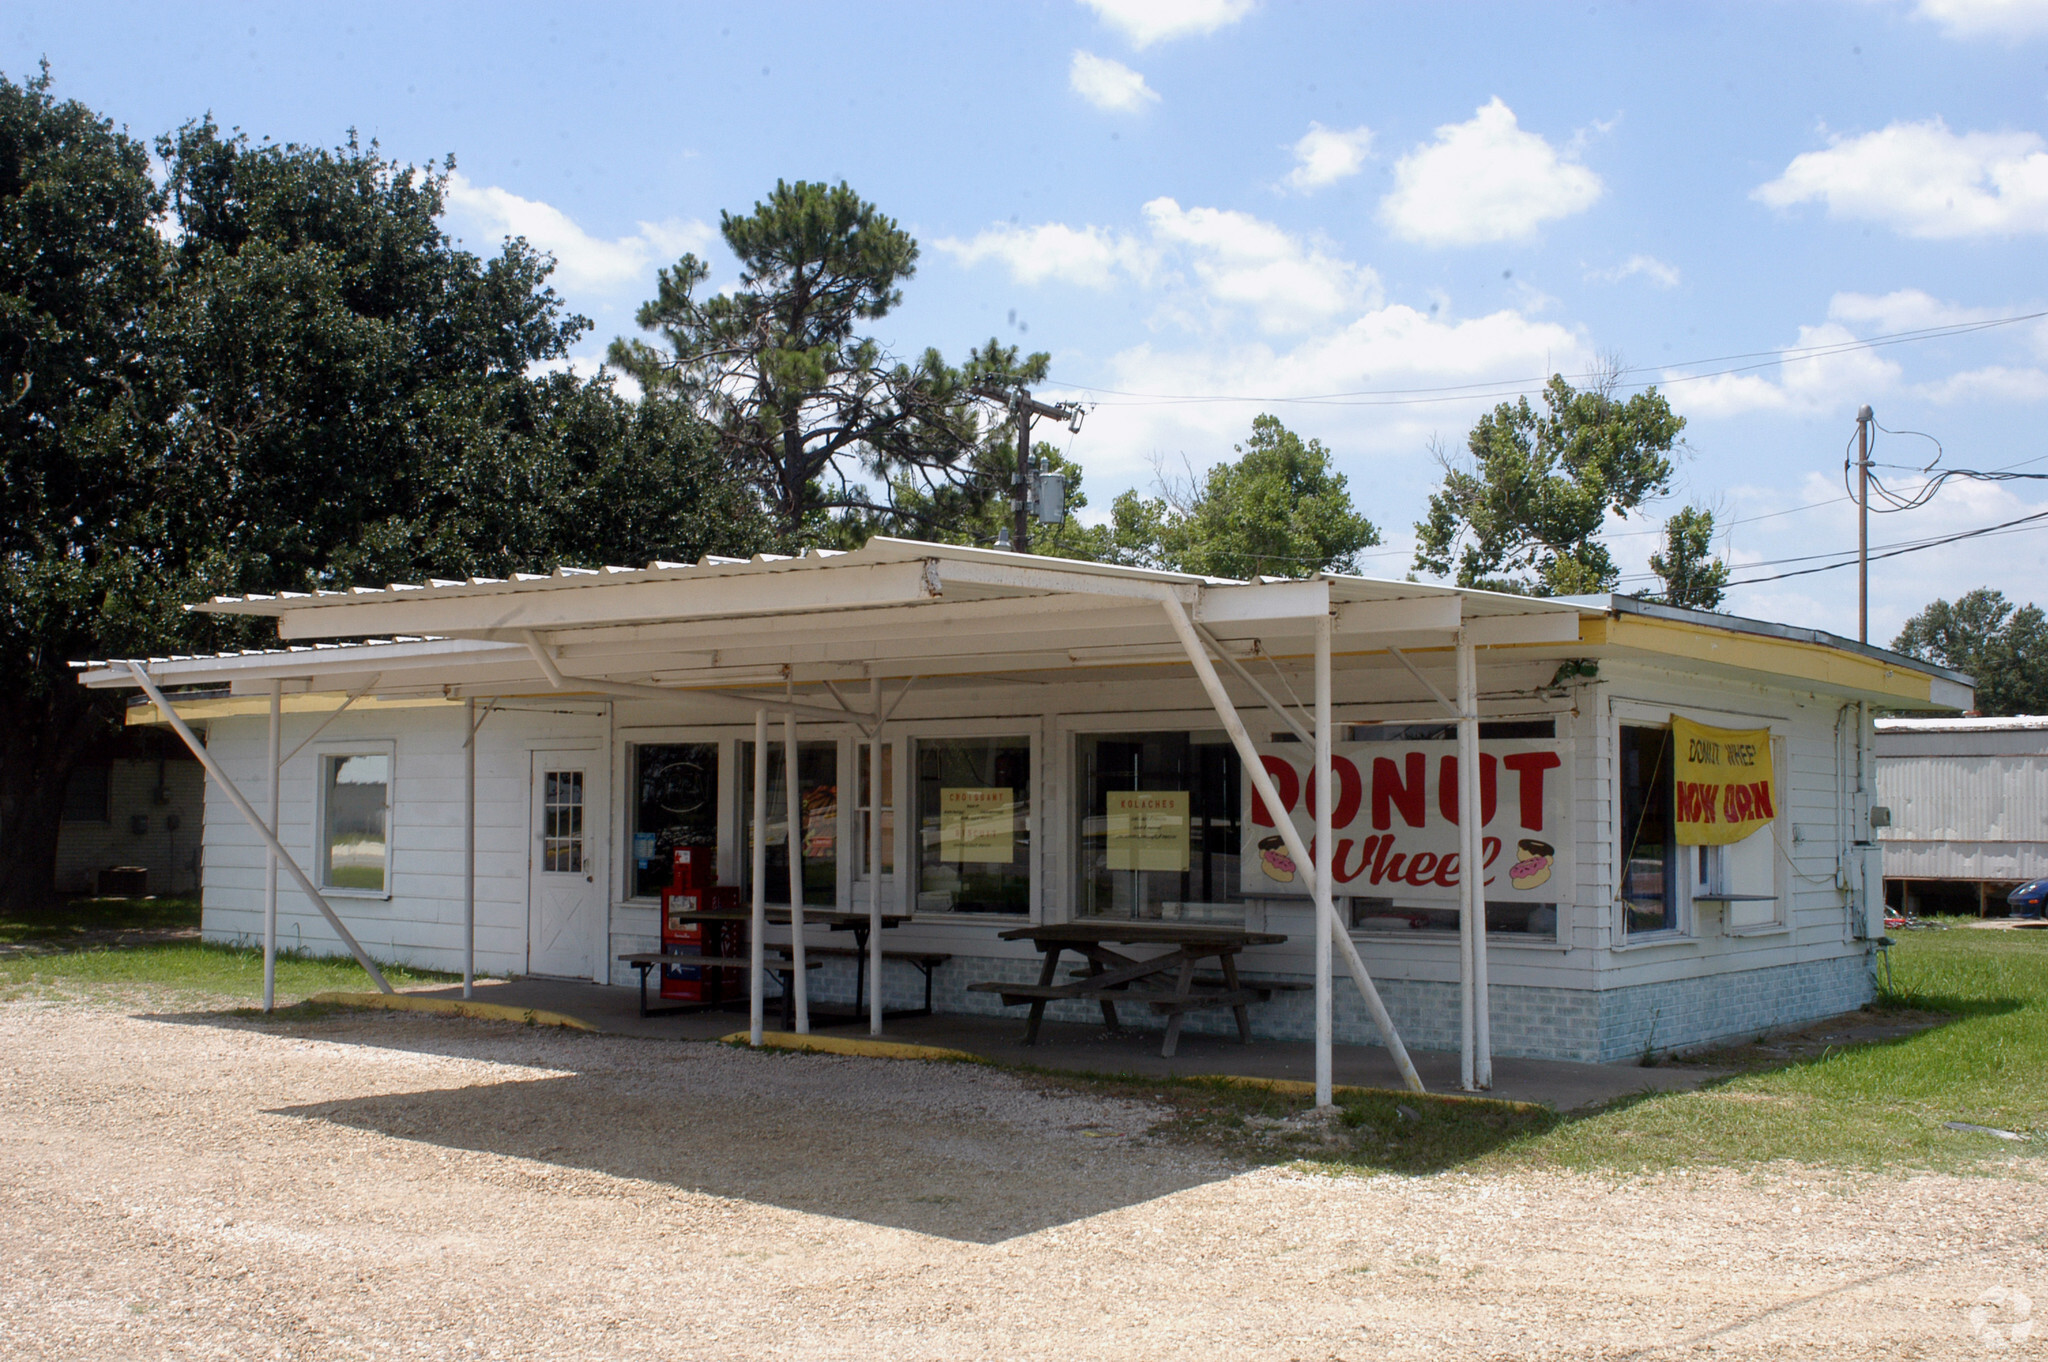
x=714 y=982
x=1112 y=976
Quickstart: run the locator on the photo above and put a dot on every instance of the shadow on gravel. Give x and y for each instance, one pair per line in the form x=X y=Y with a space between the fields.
x=973 y=1180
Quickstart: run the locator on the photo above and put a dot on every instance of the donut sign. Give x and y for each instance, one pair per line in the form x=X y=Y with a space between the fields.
x=1396 y=820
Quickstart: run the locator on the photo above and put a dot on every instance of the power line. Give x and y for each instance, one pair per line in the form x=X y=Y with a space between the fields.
x=2025 y=520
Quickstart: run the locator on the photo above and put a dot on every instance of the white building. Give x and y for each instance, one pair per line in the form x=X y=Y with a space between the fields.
x=1968 y=800
x=1054 y=691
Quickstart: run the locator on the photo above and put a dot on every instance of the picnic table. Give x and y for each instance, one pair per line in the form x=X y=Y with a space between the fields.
x=1113 y=976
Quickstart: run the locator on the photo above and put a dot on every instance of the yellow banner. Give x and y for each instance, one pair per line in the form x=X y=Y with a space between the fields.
x=1724 y=787
x=977 y=827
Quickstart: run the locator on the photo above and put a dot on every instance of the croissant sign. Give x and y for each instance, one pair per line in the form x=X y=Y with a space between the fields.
x=1396 y=820
x=1722 y=787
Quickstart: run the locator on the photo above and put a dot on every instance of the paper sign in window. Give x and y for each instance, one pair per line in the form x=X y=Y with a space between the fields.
x=977 y=826
x=1148 y=829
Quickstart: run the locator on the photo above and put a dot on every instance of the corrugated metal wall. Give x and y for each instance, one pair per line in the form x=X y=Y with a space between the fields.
x=1980 y=813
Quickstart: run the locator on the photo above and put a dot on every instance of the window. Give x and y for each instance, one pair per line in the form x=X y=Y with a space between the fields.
x=1488 y=728
x=817 y=766
x=974 y=825
x=562 y=822
x=85 y=795
x=355 y=813
x=1651 y=864
x=867 y=808
x=1159 y=826
x=675 y=804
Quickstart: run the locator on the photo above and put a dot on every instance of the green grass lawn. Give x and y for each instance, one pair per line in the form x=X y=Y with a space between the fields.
x=74 y=918
x=1861 y=1106
x=193 y=968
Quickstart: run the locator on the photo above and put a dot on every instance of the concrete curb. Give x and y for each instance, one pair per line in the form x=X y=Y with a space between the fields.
x=1295 y=1087
x=453 y=1007
x=845 y=1045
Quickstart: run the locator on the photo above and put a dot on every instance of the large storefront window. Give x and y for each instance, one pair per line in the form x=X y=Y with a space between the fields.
x=1650 y=865
x=1159 y=826
x=675 y=804
x=974 y=825
x=817 y=765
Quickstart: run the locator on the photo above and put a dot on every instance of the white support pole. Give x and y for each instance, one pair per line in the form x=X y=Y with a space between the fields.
x=270 y=857
x=1326 y=831
x=469 y=849
x=1471 y=870
x=1255 y=771
x=796 y=874
x=875 y=862
x=756 y=947
x=1473 y=820
x=243 y=807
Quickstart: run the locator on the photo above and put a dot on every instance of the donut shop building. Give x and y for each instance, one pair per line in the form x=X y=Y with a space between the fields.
x=1672 y=815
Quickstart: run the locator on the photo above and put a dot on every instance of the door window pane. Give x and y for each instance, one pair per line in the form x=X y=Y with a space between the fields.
x=1159 y=826
x=355 y=803
x=675 y=804
x=562 y=822
x=817 y=807
x=974 y=825
x=1651 y=864
x=867 y=810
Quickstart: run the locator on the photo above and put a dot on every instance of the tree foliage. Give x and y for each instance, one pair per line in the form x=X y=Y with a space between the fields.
x=300 y=382
x=1981 y=633
x=1692 y=576
x=1278 y=510
x=1525 y=514
x=811 y=412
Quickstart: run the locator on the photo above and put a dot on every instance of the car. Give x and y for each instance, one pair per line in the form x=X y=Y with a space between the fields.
x=2029 y=900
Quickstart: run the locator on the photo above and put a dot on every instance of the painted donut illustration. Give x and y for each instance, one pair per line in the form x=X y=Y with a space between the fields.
x=1534 y=867
x=1274 y=860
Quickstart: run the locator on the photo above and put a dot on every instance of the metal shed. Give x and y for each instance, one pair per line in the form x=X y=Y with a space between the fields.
x=1969 y=809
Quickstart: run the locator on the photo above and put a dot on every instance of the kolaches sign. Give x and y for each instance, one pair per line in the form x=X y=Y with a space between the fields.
x=1396 y=821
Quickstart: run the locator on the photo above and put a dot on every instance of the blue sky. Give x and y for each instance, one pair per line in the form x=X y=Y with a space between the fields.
x=1211 y=209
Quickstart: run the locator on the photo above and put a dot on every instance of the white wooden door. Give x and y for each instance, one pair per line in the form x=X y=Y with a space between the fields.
x=563 y=895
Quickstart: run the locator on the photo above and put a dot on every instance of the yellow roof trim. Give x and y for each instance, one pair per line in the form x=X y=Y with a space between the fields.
x=245 y=706
x=1833 y=668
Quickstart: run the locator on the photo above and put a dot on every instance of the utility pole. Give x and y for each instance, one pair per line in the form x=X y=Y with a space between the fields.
x=1028 y=492
x=1863 y=420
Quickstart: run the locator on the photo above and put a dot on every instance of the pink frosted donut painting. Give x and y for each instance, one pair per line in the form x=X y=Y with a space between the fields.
x=1533 y=869
x=1274 y=860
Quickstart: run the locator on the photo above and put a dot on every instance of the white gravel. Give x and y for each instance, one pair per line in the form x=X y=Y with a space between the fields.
x=391 y=1186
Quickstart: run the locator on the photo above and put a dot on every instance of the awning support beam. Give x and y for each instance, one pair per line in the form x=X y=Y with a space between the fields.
x=270 y=857
x=756 y=942
x=249 y=814
x=353 y=696
x=1427 y=684
x=628 y=690
x=1279 y=710
x=1255 y=771
x=796 y=874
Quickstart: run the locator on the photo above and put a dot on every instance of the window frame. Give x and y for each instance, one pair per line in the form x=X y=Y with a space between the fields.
x=726 y=737
x=908 y=816
x=325 y=752
x=1636 y=713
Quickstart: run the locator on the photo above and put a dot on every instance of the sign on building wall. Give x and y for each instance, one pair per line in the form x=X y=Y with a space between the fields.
x=1396 y=819
x=1723 y=788
x=1148 y=829
x=977 y=826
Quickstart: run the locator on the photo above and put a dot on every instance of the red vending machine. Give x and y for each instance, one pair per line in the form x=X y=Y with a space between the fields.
x=692 y=879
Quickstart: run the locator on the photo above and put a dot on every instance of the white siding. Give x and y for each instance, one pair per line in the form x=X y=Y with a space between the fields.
x=1968 y=804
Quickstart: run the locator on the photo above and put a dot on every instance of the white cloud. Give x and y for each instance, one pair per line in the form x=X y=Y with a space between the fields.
x=1484 y=180
x=1244 y=262
x=1215 y=266
x=1906 y=309
x=1382 y=446
x=582 y=261
x=1922 y=180
x=2008 y=19
x=1806 y=385
x=1146 y=22
x=1647 y=266
x=1109 y=85
x=1088 y=256
x=1993 y=383
x=1326 y=155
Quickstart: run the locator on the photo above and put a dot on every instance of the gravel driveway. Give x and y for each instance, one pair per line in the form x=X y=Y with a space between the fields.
x=390 y=1186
